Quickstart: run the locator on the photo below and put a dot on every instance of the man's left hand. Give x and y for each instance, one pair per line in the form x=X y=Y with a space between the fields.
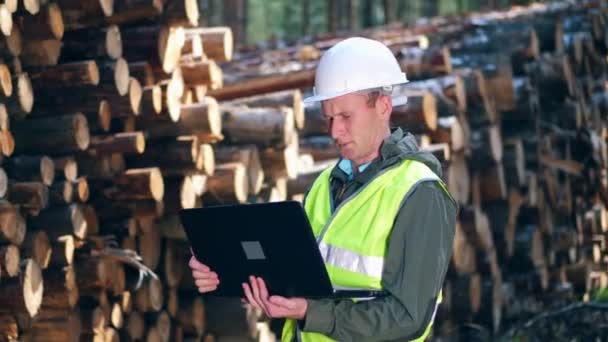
x=257 y=295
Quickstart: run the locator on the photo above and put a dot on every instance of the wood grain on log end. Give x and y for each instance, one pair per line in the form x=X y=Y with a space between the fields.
x=6 y=81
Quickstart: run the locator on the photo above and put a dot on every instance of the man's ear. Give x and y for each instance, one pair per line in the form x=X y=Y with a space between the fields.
x=384 y=104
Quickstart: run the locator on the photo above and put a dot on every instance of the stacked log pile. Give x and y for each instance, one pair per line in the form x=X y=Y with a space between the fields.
x=106 y=131
x=115 y=116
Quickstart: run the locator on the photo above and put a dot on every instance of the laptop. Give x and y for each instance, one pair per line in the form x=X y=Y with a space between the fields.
x=271 y=240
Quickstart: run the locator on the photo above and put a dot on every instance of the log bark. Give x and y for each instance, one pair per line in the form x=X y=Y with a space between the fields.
x=419 y=115
x=181 y=12
x=74 y=74
x=320 y=147
x=291 y=98
x=59 y=221
x=127 y=143
x=37 y=246
x=466 y=296
x=261 y=126
x=133 y=184
x=479 y=105
x=56 y=325
x=180 y=194
x=94 y=43
x=486 y=147
x=264 y=84
x=174 y=261
x=191 y=315
x=450 y=131
x=218 y=42
x=491 y=183
x=11 y=45
x=199 y=119
x=12 y=224
x=143 y=72
x=91 y=273
x=133 y=11
x=172 y=156
x=46 y=24
x=160 y=45
x=32 y=196
x=249 y=156
x=282 y=162
x=63 y=251
x=206 y=73
x=152 y=101
x=83 y=14
x=58 y=135
x=23 y=294
x=229 y=184
x=40 y=52
x=149 y=298
x=9 y=327
x=61 y=292
x=31 y=168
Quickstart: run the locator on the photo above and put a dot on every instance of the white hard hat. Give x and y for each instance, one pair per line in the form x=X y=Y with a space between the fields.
x=356 y=64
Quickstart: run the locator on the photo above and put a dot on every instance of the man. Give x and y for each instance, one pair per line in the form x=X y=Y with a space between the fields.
x=382 y=216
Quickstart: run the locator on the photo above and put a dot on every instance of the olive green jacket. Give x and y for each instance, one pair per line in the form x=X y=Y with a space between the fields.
x=418 y=255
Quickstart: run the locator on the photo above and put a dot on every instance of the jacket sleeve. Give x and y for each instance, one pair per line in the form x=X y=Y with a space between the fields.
x=418 y=255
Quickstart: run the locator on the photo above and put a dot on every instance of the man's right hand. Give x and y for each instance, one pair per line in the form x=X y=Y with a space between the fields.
x=205 y=279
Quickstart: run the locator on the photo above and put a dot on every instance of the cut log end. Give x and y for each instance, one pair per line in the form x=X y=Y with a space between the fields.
x=47 y=170
x=12 y=257
x=113 y=42
x=104 y=115
x=496 y=143
x=81 y=131
x=121 y=76
x=6 y=82
x=6 y=20
x=33 y=287
x=429 y=105
x=32 y=6
x=25 y=93
x=205 y=159
x=135 y=95
x=55 y=20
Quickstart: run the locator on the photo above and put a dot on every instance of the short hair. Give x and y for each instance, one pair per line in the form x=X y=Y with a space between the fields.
x=374 y=94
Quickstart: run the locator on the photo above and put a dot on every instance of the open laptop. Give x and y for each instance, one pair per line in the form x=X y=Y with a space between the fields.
x=270 y=240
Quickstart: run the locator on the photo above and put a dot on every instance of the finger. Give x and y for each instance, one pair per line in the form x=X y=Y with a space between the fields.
x=263 y=292
x=256 y=294
x=195 y=264
x=249 y=296
x=204 y=275
x=283 y=302
x=205 y=282
x=205 y=289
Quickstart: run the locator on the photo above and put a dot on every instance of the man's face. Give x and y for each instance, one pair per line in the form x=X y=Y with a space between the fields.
x=356 y=125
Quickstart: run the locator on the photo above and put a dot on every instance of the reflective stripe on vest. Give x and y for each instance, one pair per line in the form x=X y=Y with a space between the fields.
x=353 y=239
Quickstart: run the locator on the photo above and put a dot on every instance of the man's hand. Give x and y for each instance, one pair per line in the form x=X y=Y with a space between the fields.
x=273 y=306
x=205 y=279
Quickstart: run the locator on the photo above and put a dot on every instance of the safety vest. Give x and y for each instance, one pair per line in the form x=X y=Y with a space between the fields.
x=353 y=239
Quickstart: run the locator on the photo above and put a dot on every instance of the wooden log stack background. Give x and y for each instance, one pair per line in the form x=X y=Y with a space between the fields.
x=116 y=115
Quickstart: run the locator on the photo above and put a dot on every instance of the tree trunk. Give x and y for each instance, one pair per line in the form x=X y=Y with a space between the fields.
x=92 y=44
x=83 y=14
x=262 y=126
x=60 y=221
x=57 y=135
x=229 y=184
x=31 y=168
x=217 y=42
x=32 y=196
x=46 y=24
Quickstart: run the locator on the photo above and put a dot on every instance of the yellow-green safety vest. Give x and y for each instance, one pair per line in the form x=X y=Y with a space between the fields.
x=353 y=239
